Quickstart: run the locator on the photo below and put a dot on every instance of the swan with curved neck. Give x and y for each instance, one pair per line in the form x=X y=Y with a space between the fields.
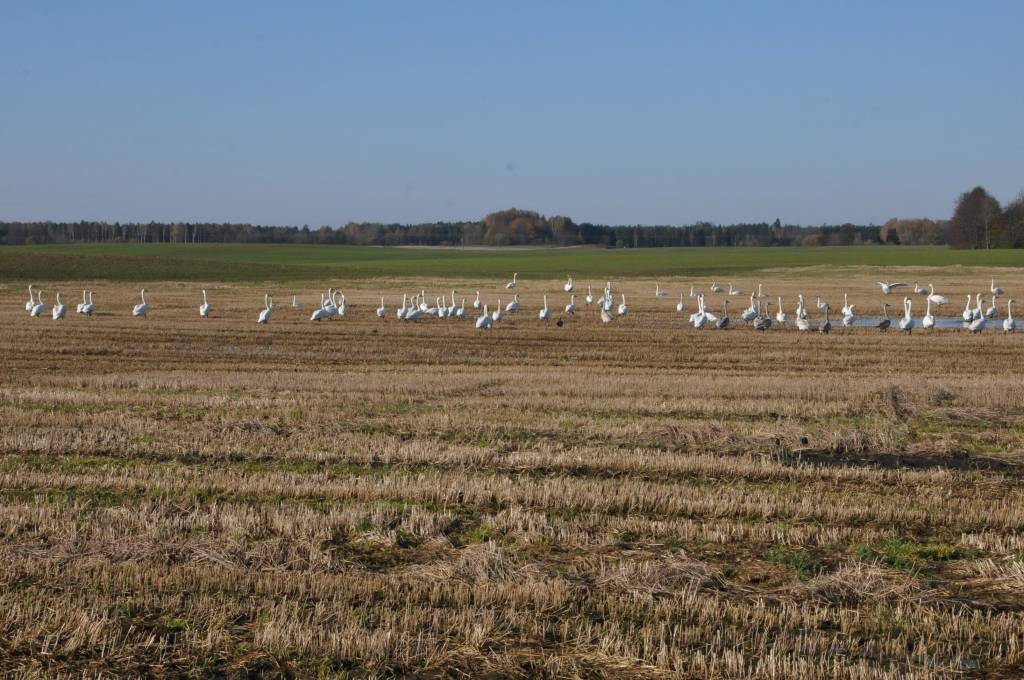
x=141 y=309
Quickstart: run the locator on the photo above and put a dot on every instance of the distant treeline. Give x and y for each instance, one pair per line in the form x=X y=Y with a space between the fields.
x=978 y=222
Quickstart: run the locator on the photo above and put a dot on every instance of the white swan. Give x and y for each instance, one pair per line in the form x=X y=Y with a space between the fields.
x=888 y=287
x=544 y=314
x=341 y=308
x=268 y=309
x=571 y=307
x=801 y=310
x=761 y=294
x=802 y=324
x=693 y=293
x=382 y=311
x=623 y=309
x=400 y=312
x=514 y=305
x=484 y=320
x=715 y=288
x=476 y=302
x=205 y=308
x=822 y=305
x=568 y=285
x=936 y=298
x=919 y=289
x=679 y=305
x=85 y=300
x=496 y=314
x=1009 y=325
x=723 y=321
x=141 y=309
x=512 y=284
x=928 y=321
x=590 y=295
x=59 y=309
x=993 y=310
x=750 y=313
x=295 y=302
x=700 y=317
x=460 y=311
x=846 y=305
x=658 y=292
x=39 y=308
x=90 y=306
x=826 y=327
x=734 y=291
x=780 y=315
x=605 y=316
x=907 y=322
x=31 y=300
x=996 y=290
x=968 y=313
x=848 y=317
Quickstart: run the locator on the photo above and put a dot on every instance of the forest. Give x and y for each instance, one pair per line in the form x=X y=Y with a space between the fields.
x=978 y=221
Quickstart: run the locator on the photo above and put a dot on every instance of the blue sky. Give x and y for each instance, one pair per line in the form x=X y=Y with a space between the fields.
x=610 y=112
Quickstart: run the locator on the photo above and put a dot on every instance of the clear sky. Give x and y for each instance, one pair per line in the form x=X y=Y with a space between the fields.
x=611 y=112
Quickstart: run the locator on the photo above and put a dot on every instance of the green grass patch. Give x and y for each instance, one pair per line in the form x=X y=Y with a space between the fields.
x=273 y=262
x=908 y=555
x=797 y=559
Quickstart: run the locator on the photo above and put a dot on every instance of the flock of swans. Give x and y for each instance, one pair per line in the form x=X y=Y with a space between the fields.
x=333 y=304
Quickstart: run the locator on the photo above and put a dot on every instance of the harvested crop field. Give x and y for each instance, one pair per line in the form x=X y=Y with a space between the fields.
x=364 y=497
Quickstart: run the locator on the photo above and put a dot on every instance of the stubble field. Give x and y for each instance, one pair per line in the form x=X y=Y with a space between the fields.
x=359 y=497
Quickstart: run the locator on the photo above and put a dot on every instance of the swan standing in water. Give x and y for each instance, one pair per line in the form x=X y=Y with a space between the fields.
x=205 y=308
x=59 y=309
x=1009 y=325
x=801 y=309
x=848 y=317
x=928 y=321
x=484 y=320
x=512 y=284
x=979 y=322
x=141 y=309
x=544 y=314
x=382 y=310
x=568 y=285
x=907 y=322
x=884 y=324
x=31 y=300
x=268 y=309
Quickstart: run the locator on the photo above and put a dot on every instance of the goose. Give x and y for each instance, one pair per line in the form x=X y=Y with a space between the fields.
x=568 y=285
x=81 y=305
x=382 y=311
x=141 y=309
x=1009 y=325
x=544 y=314
x=460 y=311
x=907 y=322
x=679 y=305
x=590 y=295
x=31 y=300
x=715 y=288
x=822 y=305
x=205 y=308
x=884 y=324
x=496 y=314
x=476 y=302
x=763 y=323
x=936 y=298
x=658 y=292
x=919 y=289
x=996 y=290
x=295 y=302
x=968 y=313
x=59 y=309
x=826 y=327
x=90 y=306
x=993 y=310
x=848 y=317
x=846 y=305
x=888 y=287
x=605 y=316
x=723 y=322
x=512 y=284
x=514 y=305
x=780 y=315
x=734 y=291
x=268 y=309
x=623 y=309
x=750 y=313
x=928 y=321
x=484 y=320
x=571 y=307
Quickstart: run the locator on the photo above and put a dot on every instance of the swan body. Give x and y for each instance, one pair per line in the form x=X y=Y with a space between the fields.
x=679 y=305
x=623 y=308
x=846 y=305
x=658 y=292
x=887 y=287
x=803 y=324
x=750 y=313
x=826 y=327
x=571 y=307
x=968 y=313
x=907 y=322
x=141 y=309
x=205 y=308
x=935 y=297
x=763 y=321
x=496 y=314
x=919 y=289
x=514 y=305
x=81 y=305
x=39 y=308
x=268 y=309
x=484 y=320
x=382 y=311
x=460 y=311
x=996 y=290
x=780 y=316
x=512 y=284
x=1009 y=325
x=90 y=306
x=928 y=321
x=476 y=302
x=884 y=324
x=568 y=285
x=59 y=309
x=734 y=291
x=849 y=318
x=31 y=300
x=993 y=310
x=544 y=314
x=605 y=316
x=723 y=322
x=589 y=299
x=715 y=288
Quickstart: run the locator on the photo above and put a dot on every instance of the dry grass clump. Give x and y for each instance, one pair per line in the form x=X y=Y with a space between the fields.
x=371 y=498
